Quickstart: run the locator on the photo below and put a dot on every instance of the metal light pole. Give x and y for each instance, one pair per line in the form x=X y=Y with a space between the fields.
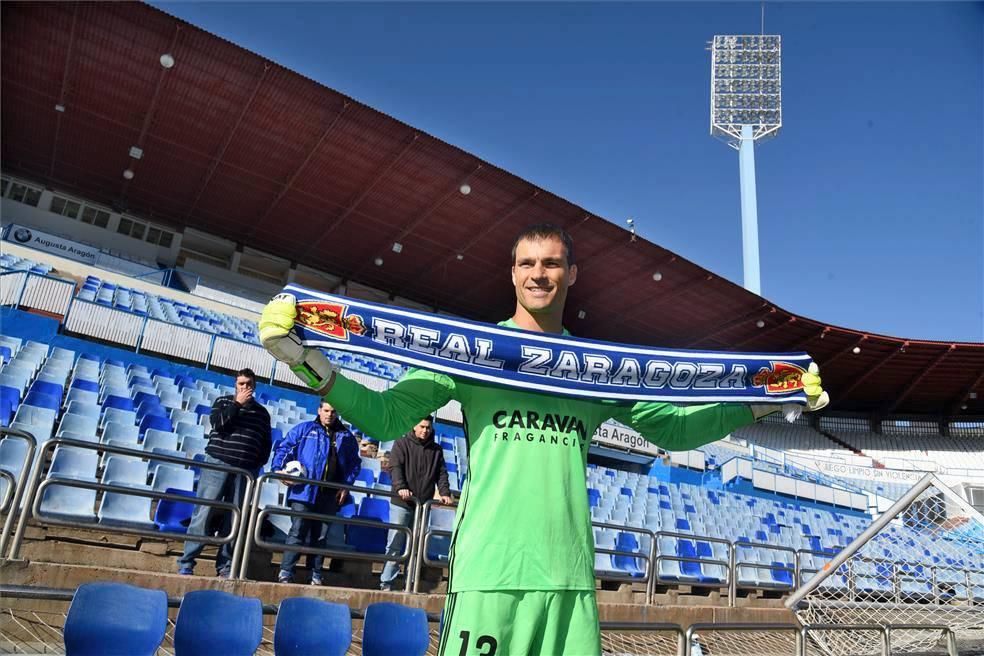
x=746 y=106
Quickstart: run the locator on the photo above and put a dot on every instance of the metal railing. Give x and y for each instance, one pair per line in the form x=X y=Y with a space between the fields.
x=17 y=487
x=36 y=487
x=37 y=291
x=257 y=515
x=695 y=630
x=423 y=534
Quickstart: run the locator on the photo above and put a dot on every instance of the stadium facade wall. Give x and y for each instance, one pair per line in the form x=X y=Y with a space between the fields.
x=105 y=238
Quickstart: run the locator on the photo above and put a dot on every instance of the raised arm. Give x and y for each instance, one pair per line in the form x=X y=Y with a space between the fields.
x=683 y=427
x=388 y=415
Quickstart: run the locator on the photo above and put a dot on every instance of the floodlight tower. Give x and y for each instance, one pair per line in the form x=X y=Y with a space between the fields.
x=746 y=106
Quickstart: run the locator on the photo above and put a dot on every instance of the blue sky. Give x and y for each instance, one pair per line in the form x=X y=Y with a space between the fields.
x=871 y=200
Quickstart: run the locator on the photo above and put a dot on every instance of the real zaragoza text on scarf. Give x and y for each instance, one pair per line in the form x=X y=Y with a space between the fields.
x=541 y=362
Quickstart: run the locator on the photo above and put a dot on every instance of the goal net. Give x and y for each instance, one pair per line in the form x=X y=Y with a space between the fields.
x=920 y=563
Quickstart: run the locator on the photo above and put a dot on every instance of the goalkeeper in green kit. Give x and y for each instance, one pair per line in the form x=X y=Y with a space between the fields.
x=521 y=569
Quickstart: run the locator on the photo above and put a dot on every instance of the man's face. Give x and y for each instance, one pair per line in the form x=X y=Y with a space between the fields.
x=541 y=275
x=326 y=415
x=423 y=429
x=243 y=383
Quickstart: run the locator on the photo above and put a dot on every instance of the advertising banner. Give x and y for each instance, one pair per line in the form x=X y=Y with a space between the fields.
x=43 y=241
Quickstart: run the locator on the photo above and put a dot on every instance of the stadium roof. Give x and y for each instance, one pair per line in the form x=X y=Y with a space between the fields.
x=239 y=146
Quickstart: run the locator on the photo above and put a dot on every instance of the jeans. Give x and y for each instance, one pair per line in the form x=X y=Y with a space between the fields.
x=396 y=541
x=309 y=532
x=217 y=486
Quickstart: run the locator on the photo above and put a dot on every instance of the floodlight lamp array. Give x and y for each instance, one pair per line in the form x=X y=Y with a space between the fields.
x=746 y=86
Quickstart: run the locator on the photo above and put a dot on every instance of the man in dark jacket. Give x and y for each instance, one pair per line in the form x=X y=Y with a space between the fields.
x=416 y=465
x=328 y=452
x=240 y=437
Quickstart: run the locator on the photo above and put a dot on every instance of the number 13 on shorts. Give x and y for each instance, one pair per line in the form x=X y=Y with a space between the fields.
x=514 y=622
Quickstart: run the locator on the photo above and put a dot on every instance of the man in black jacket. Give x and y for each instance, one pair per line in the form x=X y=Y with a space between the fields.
x=416 y=466
x=240 y=437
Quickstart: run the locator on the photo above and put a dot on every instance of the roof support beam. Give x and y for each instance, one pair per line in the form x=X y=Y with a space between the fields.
x=800 y=344
x=837 y=356
x=149 y=115
x=894 y=403
x=361 y=196
x=730 y=323
x=61 y=94
x=293 y=176
x=658 y=299
x=631 y=277
x=217 y=159
x=420 y=218
x=492 y=225
x=961 y=398
x=768 y=331
x=881 y=363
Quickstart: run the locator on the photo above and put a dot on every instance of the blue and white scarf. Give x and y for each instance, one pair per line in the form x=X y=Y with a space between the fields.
x=554 y=364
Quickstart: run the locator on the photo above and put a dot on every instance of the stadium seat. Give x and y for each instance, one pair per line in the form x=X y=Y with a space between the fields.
x=173 y=476
x=155 y=421
x=439 y=546
x=81 y=424
x=215 y=622
x=69 y=503
x=370 y=540
x=115 y=619
x=174 y=516
x=394 y=629
x=125 y=470
x=84 y=407
x=121 y=433
x=158 y=439
x=308 y=626
x=74 y=463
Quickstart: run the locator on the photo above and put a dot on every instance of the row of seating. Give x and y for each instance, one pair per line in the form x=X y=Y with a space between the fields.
x=216 y=622
x=9 y=262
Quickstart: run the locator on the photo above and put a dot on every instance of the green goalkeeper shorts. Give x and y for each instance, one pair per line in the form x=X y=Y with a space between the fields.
x=521 y=623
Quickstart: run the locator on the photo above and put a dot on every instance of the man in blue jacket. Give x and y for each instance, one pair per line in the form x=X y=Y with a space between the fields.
x=328 y=452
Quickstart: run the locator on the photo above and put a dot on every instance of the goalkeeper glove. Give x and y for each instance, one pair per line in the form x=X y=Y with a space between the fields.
x=279 y=338
x=816 y=398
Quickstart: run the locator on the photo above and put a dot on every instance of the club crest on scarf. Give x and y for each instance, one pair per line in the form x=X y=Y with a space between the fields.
x=780 y=378
x=329 y=319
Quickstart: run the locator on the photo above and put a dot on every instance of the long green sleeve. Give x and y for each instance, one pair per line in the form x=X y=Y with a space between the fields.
x=683 y=427
x=388 y=415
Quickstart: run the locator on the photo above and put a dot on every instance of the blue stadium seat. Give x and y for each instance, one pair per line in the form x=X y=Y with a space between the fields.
x=155 y=421
x=394 y=629
x=308 y=626
x=118 y=402
x=42 y=400
x=214 y=622
x=174 y=516
x=439 y=546
x=627 y=564
x=370 y=540
x=115 y=619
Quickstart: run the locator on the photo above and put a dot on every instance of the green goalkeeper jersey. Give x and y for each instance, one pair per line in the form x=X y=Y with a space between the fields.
x=523 y=521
